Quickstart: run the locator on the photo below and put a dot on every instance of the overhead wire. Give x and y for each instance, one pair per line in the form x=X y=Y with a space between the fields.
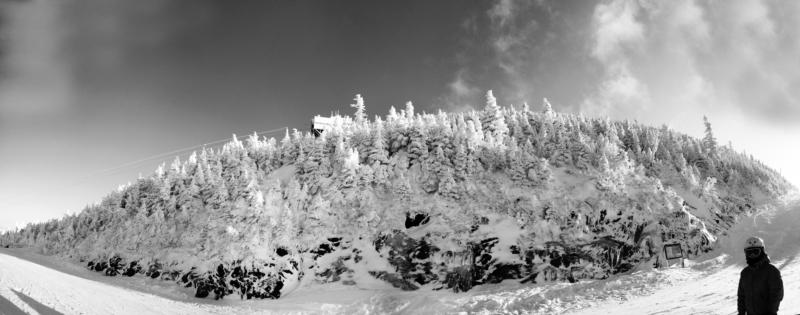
x=170 y=153
x=114 y=169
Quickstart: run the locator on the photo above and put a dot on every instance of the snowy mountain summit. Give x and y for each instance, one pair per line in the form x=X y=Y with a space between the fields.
x=435 y=201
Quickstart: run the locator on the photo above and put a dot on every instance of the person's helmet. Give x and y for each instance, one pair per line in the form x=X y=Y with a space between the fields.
x=753 y=242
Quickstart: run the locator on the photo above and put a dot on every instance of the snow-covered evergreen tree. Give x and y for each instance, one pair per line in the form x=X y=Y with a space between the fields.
x=547 y=109
x=288 y=149
x=447 y=184
x=461 y=164
x=580 y=151
x=360 y=114
x=393 y=116
x=409 y=111
x=709 y=141
x=493 y=120
x=378 y=152
x=417 y=147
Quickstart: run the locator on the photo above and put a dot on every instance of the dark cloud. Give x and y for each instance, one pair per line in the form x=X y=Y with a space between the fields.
x=34 y=79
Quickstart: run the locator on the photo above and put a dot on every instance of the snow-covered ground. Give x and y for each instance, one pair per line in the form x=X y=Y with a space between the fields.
x=705 y=286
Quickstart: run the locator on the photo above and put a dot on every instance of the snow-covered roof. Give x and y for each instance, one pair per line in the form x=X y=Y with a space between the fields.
x=323 y=123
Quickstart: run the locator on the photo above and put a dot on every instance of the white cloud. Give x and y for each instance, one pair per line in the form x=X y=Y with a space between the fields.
x=617 y=35
x=624 y=87
x=754 y=61
x=620 y=93
x=682 y=24
x=674 y=61
x=697 y=55
x=461 y=93
x=502 y=12
x=616 y=29
x=514 y=25
x=654 y=61
x=459 y=87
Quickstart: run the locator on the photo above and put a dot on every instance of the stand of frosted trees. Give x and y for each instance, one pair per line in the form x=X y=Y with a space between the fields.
x=221 y=204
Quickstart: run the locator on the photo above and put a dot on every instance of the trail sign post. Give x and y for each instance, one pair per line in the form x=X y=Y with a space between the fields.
x=673 y=251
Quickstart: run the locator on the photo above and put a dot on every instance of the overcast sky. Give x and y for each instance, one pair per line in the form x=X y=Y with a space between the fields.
x=87 y=87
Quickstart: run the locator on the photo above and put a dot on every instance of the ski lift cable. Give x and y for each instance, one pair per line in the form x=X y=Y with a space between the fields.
x=170 y=153
x=108 y=171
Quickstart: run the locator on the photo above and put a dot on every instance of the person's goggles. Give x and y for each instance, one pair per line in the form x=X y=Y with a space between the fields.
x=753 y=251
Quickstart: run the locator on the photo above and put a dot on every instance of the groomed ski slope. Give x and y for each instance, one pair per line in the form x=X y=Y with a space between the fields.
x=705 y=286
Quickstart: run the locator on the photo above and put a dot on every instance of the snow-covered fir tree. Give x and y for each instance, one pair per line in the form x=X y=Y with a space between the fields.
x=360 y=114
x=709 y=141
x=493 y=120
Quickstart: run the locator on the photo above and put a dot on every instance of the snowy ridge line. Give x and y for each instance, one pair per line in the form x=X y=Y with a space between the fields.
x=447 y=201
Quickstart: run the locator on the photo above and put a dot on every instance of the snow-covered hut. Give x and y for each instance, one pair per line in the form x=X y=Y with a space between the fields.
x=320 y=124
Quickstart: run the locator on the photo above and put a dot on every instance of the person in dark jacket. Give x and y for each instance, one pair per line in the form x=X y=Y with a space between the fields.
x=760 y=285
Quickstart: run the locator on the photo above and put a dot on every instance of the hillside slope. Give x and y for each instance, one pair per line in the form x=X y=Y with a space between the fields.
x=446 y=201
x=706 y=286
